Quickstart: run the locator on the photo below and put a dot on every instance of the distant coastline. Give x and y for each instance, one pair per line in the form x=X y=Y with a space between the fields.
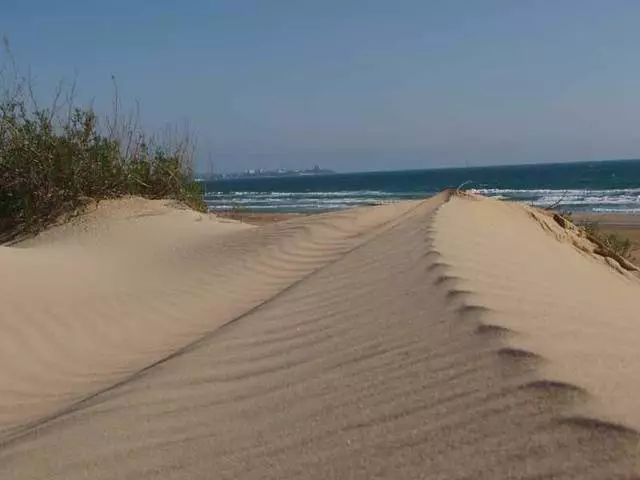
x=262 y=173
x=608 y=187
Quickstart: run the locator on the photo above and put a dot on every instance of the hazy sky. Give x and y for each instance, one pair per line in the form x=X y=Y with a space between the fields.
x=355 y=84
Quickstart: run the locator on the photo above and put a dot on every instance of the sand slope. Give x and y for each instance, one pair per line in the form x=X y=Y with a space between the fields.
x=412 y=341
x=87 y=304
x=576 y=313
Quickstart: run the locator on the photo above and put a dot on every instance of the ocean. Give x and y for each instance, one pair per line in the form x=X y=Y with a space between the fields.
x=597 y=187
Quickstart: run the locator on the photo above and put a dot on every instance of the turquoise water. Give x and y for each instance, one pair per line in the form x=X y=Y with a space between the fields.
x=601 y=187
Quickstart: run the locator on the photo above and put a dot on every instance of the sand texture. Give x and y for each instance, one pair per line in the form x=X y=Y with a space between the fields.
x=458 y=338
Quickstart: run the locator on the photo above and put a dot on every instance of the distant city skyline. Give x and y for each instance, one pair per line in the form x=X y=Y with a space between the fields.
x=353 y=86
x=260 y=172
x=204 y=168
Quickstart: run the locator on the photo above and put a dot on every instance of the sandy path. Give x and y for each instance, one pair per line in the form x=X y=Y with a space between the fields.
x=441 y=345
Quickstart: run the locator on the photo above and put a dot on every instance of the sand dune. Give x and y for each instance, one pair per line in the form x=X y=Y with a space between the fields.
x=88 y=304
x=570 y=309
x=461 y=339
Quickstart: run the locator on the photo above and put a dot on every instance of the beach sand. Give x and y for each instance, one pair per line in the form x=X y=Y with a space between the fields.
x=452 y=338
x=259 y=218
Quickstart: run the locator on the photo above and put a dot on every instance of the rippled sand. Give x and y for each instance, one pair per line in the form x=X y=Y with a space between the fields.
x=450 y=338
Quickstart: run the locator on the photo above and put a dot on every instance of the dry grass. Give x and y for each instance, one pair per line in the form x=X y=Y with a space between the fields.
x=608 y=244
x=615 y=243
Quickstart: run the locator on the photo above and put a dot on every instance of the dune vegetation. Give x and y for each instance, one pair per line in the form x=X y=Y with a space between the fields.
x=55 y=159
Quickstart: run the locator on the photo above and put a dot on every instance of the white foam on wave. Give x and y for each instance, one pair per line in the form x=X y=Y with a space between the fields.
x=603 y=200
x=630 y=211
x=572 y=197
x=303 y=201
x=613 y=191
x=353 y=193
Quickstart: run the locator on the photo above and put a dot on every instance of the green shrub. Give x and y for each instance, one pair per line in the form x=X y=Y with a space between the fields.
x=50 y=164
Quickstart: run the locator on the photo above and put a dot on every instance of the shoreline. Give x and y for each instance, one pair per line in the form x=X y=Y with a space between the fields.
x=260 y=218
x=612 y=219
x=618 y=219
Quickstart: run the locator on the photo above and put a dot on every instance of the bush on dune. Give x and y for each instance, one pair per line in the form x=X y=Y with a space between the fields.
x=615 y=243
x=611 y=243
x=52 y=160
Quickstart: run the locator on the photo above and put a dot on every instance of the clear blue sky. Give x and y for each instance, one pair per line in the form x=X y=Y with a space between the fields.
x=355 y=85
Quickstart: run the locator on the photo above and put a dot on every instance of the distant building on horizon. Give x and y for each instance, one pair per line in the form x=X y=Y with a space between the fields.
x=263 y=173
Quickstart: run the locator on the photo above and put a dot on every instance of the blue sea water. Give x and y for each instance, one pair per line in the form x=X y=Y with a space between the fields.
x=600 y=187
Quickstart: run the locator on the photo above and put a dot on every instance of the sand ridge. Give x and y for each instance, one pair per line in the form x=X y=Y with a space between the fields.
x=442 y=340
x=91 y=302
